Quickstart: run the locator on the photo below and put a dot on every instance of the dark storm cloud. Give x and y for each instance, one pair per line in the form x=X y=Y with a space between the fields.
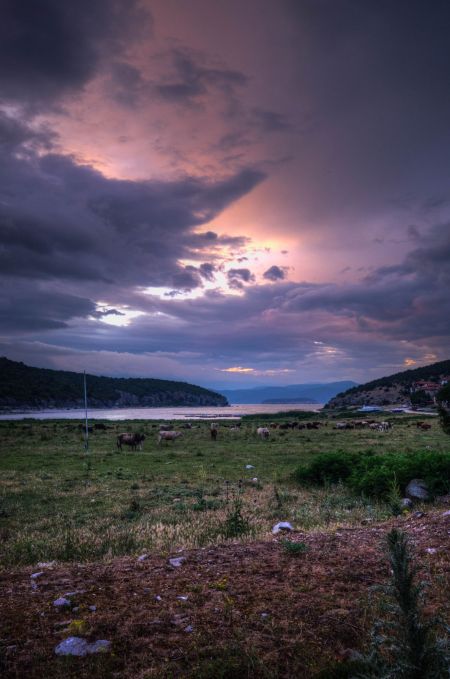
x=67 y=223
x=373 y=78
x=408 y=301
x=28 y=308
x=237 y=278
x=49 y=47
x=274 y=273
x=191 y=79
x=207 y=270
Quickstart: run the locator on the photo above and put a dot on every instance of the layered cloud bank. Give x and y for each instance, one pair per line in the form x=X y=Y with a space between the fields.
x=172 y=207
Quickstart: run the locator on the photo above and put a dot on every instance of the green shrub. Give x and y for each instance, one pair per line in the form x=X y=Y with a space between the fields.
x=373 y=474
x=294 y=548
x=327 y=468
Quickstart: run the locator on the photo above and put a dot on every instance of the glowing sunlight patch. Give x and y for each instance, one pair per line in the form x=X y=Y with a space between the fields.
x=253 y=371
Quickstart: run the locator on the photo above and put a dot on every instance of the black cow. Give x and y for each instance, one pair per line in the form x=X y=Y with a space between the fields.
x=133 y=440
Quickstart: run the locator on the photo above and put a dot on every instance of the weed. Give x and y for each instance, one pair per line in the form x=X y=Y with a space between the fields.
x=403 y=644
x=294 y=548
x=235 y=524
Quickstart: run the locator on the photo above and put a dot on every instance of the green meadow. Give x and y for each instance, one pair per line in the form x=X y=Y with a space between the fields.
x=58 y=502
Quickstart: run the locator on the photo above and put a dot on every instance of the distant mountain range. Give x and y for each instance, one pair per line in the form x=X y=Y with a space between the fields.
x=24 y=387
x=417 y=387
x=290 y=393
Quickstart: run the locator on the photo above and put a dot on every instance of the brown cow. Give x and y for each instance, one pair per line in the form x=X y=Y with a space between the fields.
x=133 y=440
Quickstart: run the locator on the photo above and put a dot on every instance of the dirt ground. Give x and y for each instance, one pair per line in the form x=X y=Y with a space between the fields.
x=271 y=612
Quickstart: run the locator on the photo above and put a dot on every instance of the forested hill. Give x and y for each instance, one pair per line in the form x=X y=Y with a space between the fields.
x=24 y=387
x=417 y=385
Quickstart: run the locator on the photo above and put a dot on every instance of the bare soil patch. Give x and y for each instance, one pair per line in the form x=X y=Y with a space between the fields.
x=286 y=615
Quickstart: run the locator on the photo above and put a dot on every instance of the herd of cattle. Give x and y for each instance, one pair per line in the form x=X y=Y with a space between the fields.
x=167 y=433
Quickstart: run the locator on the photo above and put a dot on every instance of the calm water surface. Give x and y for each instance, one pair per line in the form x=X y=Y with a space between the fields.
x=179 y=413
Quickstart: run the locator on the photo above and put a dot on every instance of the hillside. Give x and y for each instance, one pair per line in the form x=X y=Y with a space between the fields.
x=416 y=387
x=290 y=393
x=22 y=386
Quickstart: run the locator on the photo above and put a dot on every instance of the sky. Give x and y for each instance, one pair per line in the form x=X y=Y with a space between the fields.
x=227 y=193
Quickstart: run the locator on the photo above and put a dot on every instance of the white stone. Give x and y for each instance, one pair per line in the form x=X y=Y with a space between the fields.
x=80 y=647
x=177 y=561
x=33 y=576
x=62 y=602
x=72 y=646
x=100 y=646
x=281 y=526
x=249 y=466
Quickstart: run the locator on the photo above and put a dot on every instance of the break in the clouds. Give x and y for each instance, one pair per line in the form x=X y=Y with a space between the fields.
x=225 y=193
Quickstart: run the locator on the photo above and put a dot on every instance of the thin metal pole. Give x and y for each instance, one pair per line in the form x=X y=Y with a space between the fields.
x=86 y=441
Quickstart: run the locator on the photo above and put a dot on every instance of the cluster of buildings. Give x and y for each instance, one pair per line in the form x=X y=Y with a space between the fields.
x=429 y=388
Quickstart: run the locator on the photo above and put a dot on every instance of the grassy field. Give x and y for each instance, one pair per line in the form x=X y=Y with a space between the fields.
x=57 y=503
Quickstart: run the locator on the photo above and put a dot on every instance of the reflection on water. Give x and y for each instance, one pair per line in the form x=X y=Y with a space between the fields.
x=179 y=413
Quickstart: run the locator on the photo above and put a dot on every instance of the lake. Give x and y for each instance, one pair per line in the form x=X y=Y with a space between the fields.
x=175 y=413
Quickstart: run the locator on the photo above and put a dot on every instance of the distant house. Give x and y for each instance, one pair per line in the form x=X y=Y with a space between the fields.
x=430 y=388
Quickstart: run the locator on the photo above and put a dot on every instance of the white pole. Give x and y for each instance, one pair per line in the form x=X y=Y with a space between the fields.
x=86 y=441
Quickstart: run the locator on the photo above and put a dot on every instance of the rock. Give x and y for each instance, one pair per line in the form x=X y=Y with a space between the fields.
x=406 y=503
x=80 y=647
x=249 y=466
x=158 y=598
x=417 y=489
x=179 y=620
x=264 y=615
x=72 y=646
x=418 y=515
x=431 y=550
x=189 y=628
x=92 y=608
x=281 y=526
x=447 y=513
x=255 y=479
x=46 y=564
x=177 y=561
x=100 y=646
x=143 y=557
x=34 y=576
x=182 y=598
x=62 y=602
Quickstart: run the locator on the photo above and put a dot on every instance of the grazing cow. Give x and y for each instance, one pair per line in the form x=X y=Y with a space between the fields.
x=263 y=432
x=165 y=427
x=214 y=430
x=133 y=440
x=425 y=426
x=344 y=425
x=168 y=436
x=100 y=426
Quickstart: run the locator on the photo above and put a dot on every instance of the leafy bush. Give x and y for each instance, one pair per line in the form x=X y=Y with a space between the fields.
x=294 y=548
x=327 y=468
x=374 y=475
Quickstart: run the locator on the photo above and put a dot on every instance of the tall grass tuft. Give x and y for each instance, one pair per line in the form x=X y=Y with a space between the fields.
x=404 y=645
